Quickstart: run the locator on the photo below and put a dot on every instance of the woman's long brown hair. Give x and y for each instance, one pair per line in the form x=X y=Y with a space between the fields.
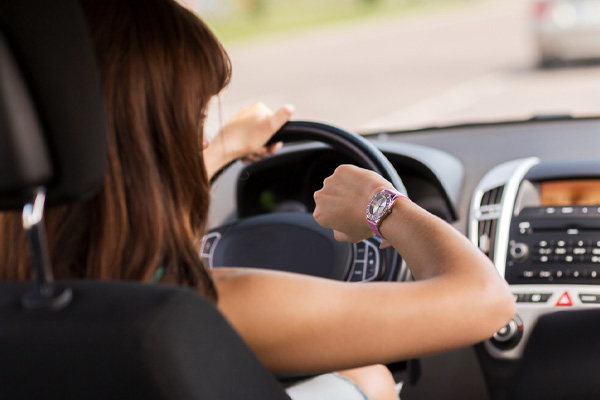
x=159 y=65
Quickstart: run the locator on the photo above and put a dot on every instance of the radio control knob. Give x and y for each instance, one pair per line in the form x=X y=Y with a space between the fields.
x=510 y=335
x=506 y=333
x=519 y=252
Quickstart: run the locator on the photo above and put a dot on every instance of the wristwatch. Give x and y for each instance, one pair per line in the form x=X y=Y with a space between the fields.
x=380 y=207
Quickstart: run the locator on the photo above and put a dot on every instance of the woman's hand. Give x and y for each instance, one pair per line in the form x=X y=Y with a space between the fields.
x=342 y=202
x=245 y=135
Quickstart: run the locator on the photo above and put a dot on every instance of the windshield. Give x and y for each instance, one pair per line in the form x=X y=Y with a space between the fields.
x=373 y=65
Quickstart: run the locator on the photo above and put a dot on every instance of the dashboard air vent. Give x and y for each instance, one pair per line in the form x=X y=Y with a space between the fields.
x=489 y=212
x=492 y=196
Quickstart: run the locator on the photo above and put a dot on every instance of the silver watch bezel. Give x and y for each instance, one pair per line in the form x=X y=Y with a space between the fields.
x=389 y=197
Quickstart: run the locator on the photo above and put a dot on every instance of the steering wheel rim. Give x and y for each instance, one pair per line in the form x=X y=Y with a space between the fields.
x=365 y=152
x=294 y=242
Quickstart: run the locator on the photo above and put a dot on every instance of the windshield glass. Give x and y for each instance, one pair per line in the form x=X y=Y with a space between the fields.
x=372 y=65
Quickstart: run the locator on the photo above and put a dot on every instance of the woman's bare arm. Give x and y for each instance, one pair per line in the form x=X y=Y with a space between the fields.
x=298 y=323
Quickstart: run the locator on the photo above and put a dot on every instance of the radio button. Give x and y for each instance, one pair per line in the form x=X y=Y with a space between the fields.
x=572 y=274
x=524 y=228
x=539 y=297
x=589 y=298
x=545 y=274
x=546 y=297
x=521 y=297
x=528 y=274
x=558 y=274
x=565 y=259
x=543 y=259
x=519 y=252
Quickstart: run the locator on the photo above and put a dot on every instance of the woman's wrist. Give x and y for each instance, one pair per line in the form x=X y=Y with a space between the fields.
x=393 y=227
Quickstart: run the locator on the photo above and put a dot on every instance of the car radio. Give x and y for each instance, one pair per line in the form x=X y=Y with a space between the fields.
x=554 y=235
x=539 y=222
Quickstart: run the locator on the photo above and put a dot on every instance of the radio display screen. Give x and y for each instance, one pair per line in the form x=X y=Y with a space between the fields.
x=577 y=192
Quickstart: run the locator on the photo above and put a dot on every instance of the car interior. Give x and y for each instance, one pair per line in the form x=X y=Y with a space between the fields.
x=526 y=193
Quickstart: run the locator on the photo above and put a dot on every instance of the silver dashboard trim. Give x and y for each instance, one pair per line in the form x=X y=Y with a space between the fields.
x=508 y=205
x=509 y=175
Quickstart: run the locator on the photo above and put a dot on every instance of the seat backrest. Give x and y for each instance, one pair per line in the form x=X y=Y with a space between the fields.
x=125 y=340
x=111 y=339
x=560 y=360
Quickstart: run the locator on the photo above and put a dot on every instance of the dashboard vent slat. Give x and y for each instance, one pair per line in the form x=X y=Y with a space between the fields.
x=488 y=219
x=492 y=196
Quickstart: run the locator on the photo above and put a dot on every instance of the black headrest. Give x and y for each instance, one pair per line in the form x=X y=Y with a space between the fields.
x=52 y=129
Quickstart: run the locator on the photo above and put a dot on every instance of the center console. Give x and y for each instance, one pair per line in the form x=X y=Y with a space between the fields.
x=539 y=222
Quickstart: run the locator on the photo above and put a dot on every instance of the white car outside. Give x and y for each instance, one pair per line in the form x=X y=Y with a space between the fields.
x=566 y=30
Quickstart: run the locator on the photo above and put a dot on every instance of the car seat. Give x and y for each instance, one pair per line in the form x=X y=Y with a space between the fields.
x=90 y=339
x=560 y=360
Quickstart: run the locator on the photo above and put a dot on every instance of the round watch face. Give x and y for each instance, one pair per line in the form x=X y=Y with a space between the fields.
x=378 y=205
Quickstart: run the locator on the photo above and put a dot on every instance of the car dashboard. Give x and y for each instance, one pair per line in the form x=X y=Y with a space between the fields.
x=526 y=193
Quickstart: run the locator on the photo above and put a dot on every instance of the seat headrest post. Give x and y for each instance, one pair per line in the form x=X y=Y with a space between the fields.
x=46 y=295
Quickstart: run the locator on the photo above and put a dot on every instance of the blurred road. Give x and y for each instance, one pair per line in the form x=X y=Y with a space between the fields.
x=476 y=63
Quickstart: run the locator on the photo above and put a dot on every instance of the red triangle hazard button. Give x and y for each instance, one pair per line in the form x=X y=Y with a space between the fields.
x=564 y=300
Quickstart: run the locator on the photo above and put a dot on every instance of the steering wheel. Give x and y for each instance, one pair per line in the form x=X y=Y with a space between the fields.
x=293 y=241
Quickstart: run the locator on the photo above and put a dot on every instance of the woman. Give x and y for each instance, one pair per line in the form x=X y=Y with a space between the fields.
x=160 y=66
